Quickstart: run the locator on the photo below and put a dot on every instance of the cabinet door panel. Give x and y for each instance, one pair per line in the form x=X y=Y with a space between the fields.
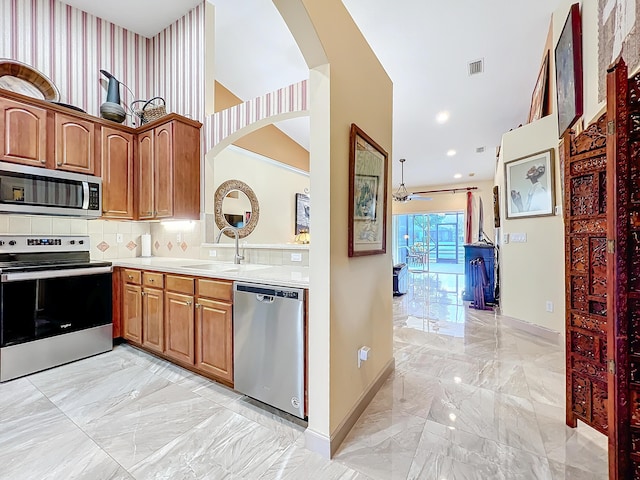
x=163 y=150
x=117 y=174
x=75 y=143
x=214 y=338
x=132 y=313
x=153 y=319
x=146 y=172
x=179 y=327
x=23 y=131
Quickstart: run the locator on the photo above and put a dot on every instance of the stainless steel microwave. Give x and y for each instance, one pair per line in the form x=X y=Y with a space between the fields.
x=31 y=190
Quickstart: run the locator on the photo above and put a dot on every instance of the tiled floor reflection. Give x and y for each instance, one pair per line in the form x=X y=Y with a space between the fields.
x=470 y=399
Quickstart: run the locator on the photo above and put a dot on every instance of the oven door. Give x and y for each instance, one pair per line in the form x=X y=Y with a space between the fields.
x=42 y=304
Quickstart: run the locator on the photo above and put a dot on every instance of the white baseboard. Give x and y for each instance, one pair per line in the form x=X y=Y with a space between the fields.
x=327 y=446
x=552 y=336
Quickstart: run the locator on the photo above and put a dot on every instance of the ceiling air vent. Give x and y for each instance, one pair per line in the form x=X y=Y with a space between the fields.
x=476 y=67
x=480 y=150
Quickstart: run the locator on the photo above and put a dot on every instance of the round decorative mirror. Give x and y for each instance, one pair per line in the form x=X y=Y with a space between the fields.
x=236 y=206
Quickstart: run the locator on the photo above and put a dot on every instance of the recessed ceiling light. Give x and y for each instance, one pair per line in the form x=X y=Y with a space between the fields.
x=451 y=153
x=457 y=175
x=442 y=117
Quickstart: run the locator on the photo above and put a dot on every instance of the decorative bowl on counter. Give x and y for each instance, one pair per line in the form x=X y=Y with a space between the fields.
x=21 y=78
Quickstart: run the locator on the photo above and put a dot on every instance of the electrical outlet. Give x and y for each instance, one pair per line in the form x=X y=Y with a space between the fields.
x=549 y=306
x=363 y=355
x=119 y=238
x=213 y=253
x=179 y=238
x=505 y=238
x=296 y=257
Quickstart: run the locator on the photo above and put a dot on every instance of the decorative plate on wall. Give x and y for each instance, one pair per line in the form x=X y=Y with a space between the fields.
x=21 y=78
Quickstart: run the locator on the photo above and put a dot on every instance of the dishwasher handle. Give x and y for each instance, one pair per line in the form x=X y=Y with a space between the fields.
x=264 y=298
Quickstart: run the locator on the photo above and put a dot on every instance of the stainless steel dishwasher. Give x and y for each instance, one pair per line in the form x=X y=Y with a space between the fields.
x=269 y=345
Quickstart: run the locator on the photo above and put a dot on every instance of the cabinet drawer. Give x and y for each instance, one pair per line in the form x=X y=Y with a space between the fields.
x=150 y=279
x=180 y=284
x=222 y=289
x=132 y=276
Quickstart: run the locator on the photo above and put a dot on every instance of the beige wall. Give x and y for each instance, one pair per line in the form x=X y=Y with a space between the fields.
x=351 y=301
x=532 y=273
x=269 y=141
x=275 y=186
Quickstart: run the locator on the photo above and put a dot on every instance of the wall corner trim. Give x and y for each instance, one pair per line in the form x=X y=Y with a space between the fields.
x=327 y=447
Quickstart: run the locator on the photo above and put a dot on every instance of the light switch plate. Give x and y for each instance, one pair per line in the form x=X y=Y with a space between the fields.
x=213 y=253
x=119 y=238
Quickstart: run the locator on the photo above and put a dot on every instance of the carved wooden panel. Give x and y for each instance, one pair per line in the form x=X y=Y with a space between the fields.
x=586 y=275
x=628 y=439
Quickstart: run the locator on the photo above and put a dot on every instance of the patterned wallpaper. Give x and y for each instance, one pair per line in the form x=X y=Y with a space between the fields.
x=71 y=46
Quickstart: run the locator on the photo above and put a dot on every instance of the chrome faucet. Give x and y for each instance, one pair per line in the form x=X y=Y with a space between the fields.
x=237 y=257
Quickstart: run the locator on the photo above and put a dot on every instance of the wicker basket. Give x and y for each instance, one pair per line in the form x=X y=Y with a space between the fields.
x=149 y=111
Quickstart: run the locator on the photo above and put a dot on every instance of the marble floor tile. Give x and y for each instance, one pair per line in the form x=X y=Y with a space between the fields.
x=105 y=391
x=47 y=445
x=133 y=432
x=382 y=444
x=226 y=445
x=297 y=463
x=451 y=453
x=495 y=416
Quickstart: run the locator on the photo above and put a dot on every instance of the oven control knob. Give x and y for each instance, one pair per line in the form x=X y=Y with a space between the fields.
x=81 y=242
x=72 y=242
x=12 y=242
x=1 y=242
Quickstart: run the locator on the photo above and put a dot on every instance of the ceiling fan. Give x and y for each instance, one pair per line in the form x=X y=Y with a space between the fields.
x=402 y=195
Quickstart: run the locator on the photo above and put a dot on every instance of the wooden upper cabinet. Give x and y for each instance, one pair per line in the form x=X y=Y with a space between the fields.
x=168 y=172
x=117 y=174
x=163 y=162
x=23 y=130
x=145 y=182
x=75 y=144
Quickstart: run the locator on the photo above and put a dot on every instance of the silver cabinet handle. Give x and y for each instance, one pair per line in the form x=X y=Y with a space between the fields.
x=189 y=302
x=198 y=305
x=142 y=293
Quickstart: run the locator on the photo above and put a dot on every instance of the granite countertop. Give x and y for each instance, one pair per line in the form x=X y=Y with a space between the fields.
x=282 y=275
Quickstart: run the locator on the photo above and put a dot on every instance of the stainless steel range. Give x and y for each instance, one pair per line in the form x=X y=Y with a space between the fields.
x=55 y=303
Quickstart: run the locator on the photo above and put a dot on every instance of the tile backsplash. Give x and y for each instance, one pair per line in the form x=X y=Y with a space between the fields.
x=103 y=234
x=171 y=239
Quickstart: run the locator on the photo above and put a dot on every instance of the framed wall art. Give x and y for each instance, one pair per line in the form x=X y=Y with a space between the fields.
x=368 y=163
x=568 y=57
x=539 y=107
x=302 y=213
x=529 y=189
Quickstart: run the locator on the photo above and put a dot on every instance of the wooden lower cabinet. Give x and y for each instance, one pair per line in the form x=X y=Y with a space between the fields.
x=153 y=319
x=132 y=313
x=184 y=319
x=214 y=338
x=179 y=327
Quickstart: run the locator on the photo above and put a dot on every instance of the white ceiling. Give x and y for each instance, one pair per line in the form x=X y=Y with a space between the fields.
x=424 y=45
